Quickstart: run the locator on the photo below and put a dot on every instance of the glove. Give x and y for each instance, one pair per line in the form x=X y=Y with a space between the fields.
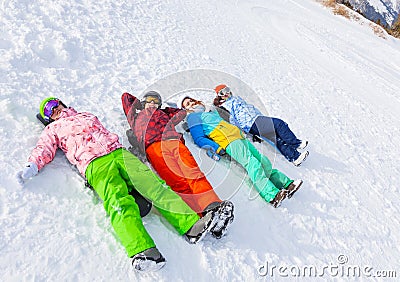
x=222 y=152
x=185 y=126
x=212 y=154
x=29 y=171
x=257 y=139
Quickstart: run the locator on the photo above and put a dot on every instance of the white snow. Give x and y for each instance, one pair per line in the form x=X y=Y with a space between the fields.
x=378 y=5
x=388 y=9
x=334 y=81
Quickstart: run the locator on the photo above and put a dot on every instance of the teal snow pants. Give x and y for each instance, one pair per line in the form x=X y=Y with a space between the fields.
x=266 y=180
x=112 y=176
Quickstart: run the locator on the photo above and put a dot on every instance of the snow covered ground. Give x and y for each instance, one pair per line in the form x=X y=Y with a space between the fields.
x=334 y=81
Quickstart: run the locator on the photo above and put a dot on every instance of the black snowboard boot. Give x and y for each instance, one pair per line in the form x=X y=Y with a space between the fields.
x=225 y=217
x=201 y=227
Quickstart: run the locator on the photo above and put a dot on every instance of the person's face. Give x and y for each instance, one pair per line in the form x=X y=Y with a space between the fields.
x=149 y=105
x=188 y=103
x=193 y=105
x=151 y=102
x=57 y=111
x=225 y=93
x=52 y=109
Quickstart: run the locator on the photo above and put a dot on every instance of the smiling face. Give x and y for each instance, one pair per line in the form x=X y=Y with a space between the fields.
x=188 y=103
x=149 y=105
x=151 y=100
x=193 y=105
x=225 y=93
x=57 y=111
x=51 y=108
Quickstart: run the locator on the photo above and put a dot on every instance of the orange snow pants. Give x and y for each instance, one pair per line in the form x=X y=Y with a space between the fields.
x=175 y=164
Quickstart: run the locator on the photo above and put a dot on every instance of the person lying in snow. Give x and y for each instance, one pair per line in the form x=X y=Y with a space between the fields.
x=209 y=130
x=154 y=130
x=251 y=120
x=113 y=171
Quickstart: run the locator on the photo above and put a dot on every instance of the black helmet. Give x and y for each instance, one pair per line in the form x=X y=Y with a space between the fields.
x=151 y=94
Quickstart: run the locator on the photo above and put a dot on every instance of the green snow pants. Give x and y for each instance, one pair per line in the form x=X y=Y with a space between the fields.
x=266 y=180
x=112 y=176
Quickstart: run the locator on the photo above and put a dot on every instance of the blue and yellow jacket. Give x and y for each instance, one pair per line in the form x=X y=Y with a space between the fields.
x=208 y=129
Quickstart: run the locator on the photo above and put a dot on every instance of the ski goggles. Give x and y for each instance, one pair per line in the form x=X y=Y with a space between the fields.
x=150 y=99
x=49 y=108
x=224 y=91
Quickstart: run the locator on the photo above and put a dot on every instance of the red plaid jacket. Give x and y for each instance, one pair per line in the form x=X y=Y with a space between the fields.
x=151 y=125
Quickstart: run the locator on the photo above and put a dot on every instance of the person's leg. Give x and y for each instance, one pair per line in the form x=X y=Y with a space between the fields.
x=167 y=170
x=150 y=186
x=263 y=126
x=103 y=175
x=278 y=132
x=240 y=151
x=288 y=151
x=175 y=164
x=286 y=140
x=283 y=132
x=279 y=179
x=201 y=188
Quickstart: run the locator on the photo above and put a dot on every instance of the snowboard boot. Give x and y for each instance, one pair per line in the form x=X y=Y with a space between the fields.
x=293 y=187
x=224 y=218
x=211 y=207
x=201 y=227
x=279 y=197
x=148 y=260
x=301 y=158
x=302 y=145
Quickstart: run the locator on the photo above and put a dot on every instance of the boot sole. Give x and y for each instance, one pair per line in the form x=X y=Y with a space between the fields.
x=210 y=224
x=291 y=193
x=305 y=157
x=277 y=204
x=225 y=218
x=149 y=266
x=302 y=148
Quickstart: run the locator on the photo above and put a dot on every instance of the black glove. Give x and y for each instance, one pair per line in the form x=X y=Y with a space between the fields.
x=185 y=126
x=257 y=138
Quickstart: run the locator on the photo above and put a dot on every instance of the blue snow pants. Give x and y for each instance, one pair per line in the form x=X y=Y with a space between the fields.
x=277 y=131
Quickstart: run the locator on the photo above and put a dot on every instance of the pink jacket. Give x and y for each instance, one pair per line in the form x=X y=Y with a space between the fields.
x=81 y=136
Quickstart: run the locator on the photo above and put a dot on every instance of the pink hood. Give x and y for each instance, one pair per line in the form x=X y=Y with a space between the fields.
x=81 y=136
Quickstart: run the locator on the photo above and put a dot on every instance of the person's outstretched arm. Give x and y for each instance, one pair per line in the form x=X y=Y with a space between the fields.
x=130 y=104
x=175 y=115
x=41 y=155
x=199 y=137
